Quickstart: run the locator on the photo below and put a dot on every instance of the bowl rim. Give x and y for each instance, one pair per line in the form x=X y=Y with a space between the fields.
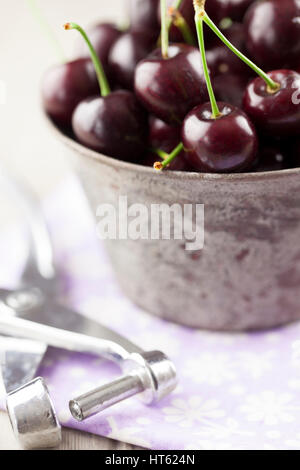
x=170 y=175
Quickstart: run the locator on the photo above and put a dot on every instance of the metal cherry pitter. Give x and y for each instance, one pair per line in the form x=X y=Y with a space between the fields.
x=31 y=320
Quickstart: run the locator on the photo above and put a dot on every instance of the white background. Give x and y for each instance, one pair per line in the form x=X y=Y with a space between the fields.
x=26 y=145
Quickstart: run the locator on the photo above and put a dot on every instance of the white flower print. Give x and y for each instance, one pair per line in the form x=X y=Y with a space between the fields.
x=294 y=442
x=273 y=434
x=211 y=338
x=186 y=412
x=127 y=434
x=269 y=447
x=296 y=353
x=209 y=368
x=237 y=390
x=270 y=408
x=171 y=344
x=209 y=445
x=224 y=430
x=107 y=310
x=257 y=364
x=272 y=337
x=85 y=387
x=294 y=384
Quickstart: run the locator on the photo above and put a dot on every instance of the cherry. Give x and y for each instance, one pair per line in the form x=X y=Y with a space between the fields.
x=220 y=59
x=102 y=37
x=164 y=137
x=295 y=153
x=272 y=100
x=273 y=32
x=114 y=123
x=225 y=144
x=170 y=87
x=217 y=137
x=275 y=112
x=143 y=15
x=271 y=157
x=230 y=88
x=170 y=81
x=125 y=54
x=233 y=9
x=65 y=85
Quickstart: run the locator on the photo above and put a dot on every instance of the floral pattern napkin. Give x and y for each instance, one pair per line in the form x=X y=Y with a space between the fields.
x=236 y=391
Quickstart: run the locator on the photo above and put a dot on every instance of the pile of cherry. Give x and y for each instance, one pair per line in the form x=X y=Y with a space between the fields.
x=157 y=104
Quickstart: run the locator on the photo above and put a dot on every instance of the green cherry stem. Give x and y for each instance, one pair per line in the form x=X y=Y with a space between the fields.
x=103 y=83
x=272 y=86
x=175 y=6
x=179 y=21
x=169 y=19
x=199 y=26
x=47 y=30
x=164 y=29
x=169 y=158
x=163 y=155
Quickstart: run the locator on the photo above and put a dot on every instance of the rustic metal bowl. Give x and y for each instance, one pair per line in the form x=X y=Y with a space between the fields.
x=248 y=274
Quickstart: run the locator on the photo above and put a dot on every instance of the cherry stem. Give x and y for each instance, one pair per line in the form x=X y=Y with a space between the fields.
x=164 y=29
x=175 y=6
x=103 y=82
x=272 y=86
x=179 y=21
x=168 y=158
x=199 y=26
x=36 y=12
x=163 y=155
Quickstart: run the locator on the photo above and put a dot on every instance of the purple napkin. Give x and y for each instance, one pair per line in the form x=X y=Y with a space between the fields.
x=236 y=391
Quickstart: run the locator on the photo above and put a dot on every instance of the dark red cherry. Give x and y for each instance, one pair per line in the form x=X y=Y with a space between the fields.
x=222 y=61
x=230 y=88
x=102 y=36
x=295 y=153
x=271 y=157
x=275 y=113
x=170 y=88
x=226 y=144
x=164 y=137
x=234 y=9
x=114 y=125
x=273 y=33
x=65 y=85
x=125 y=54
x=143 y=15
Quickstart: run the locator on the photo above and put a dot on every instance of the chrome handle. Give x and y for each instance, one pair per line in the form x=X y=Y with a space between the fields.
x=59 y=338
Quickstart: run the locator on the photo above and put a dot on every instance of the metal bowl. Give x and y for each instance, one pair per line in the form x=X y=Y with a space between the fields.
x=247 y=276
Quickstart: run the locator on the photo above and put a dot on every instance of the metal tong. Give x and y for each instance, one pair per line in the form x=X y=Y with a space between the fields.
x=31 y=312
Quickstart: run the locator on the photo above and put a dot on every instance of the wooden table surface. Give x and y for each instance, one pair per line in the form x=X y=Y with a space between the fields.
x=26 y=146
x=72 y=440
